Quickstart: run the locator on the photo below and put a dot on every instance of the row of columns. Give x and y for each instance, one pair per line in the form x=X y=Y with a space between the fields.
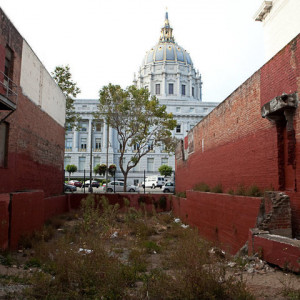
x=76 y=141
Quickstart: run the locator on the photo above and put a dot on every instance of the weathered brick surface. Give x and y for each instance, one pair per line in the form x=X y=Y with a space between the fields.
x=4 y=220
x=221 y=218
x=235 y=146
x=36 y=141
x=276 y=250
x=27 y=214
x=276 y=211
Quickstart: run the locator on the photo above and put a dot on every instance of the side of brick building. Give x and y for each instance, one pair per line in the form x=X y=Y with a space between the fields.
x=32 y=116
x=235 y=146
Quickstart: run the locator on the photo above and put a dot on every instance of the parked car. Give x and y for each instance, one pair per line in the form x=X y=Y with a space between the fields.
x=118 y=186
x=154 y=181
x=169 y=187
x=94 y=183
x=75 y=182
x=69 y=188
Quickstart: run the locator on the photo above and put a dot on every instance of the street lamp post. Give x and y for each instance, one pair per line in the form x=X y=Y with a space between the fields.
x=91 y=160
x=107 y=145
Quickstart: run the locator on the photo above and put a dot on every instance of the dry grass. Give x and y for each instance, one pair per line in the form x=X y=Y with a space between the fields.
x=105 y=254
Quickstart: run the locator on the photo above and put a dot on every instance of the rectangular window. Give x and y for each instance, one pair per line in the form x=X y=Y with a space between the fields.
x=177 y=109
x=193 y=92
x=67 y=161
x=83 y=144
x=81 y=163
x=157 y=89
x=178 y=128
x=96 y=161
x=163 y=148
x=150 y=164
x=164 y=161
x=183 y=90
x=171 y=88
x=205 y=109
x=8 y=67
x=192 y=109
x=136 y=147
x=3 y=144
x=98 y=127
x=68 y=144
x=97 y=144
x=83 y=126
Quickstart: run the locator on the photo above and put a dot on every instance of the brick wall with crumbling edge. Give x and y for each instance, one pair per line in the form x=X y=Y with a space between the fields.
x=275 y=214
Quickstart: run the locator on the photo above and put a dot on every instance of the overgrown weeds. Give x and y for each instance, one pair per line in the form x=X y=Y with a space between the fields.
x=107 y=254
x=202 y=187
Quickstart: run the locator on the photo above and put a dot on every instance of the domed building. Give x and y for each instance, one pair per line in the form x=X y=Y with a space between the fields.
x=168 y=72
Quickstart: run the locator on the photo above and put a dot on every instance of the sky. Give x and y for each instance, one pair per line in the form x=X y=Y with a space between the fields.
x=105 y=41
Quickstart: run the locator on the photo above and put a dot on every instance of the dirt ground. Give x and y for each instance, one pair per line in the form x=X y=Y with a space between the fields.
x=262 y=280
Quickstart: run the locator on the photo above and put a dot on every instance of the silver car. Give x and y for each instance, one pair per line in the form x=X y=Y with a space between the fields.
x=118 y=186
x=169 y=187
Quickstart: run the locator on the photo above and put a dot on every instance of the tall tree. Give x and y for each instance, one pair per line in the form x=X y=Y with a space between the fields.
x=63 y=78
x=140 y=121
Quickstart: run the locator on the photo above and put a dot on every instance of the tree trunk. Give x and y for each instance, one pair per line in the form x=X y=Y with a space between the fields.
x=125 y=181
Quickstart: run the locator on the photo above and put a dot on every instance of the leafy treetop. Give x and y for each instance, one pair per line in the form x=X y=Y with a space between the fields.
x=140 y=121
x=63 y=78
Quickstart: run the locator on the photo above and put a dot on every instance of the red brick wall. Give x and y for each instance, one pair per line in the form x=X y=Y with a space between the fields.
x=35 y=141
x=54 y=206
x=234 y=145
x=4 y=220
x=278 y=251
x=75 y=199
x=27 y=214
x=220 y=218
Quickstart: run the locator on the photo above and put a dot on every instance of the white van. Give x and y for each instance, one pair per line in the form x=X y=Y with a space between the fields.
x=154 y=181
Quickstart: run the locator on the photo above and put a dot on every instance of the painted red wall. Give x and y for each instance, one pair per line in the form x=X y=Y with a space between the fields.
x=235 y=146
x=278 y=251
x=35 y=140
x=75 y=199
x=4 y=220
x=29 y=210
x=221 y=218
x=27 y=214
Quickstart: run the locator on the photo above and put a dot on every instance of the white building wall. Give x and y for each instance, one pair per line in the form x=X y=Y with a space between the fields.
x=38 y=85
x=281 y=24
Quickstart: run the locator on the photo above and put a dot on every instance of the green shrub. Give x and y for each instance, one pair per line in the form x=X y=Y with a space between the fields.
x=241 y=190
x=181 y=194
x=254 y=191
x=217 y=189
x=202 y=187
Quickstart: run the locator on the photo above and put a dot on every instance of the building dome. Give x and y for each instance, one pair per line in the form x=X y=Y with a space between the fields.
x=167 y=52
x=167 y=70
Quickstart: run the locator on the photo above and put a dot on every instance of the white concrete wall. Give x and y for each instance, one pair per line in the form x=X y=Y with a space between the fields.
x=281 y=25
x=38 y=85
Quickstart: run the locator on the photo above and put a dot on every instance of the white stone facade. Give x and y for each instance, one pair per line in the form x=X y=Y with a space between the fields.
x=168 y=73
x=281 y=23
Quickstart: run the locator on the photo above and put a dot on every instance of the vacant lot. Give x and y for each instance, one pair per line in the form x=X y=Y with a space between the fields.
x=101 y=252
